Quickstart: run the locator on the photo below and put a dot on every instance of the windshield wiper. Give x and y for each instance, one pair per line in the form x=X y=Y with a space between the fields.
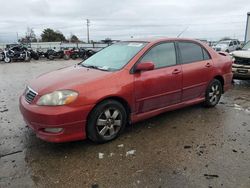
x=93 y=67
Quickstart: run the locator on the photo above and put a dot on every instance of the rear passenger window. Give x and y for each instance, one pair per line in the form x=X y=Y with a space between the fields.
x=235 y=43
x=162 y=55
x=190 y=52
x=206 y=56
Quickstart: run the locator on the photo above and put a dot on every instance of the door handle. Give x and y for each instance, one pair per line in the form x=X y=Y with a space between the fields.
x=208 y=65
x=176 y=71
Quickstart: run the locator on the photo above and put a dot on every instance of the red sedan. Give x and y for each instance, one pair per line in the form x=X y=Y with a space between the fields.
x=127 y=82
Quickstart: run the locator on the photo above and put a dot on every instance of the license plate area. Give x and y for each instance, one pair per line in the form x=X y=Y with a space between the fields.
x=242 y=71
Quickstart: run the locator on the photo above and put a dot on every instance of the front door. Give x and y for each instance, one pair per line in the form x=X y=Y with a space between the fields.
x=160 y=87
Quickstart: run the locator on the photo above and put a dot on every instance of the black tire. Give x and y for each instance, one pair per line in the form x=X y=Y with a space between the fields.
x=1 y=56
x=227 y=51
x=73 y=56
x=36 y=57
x=213 y=93
x=7 y=60
x=66 y=57
x=27 y=59
x=107 y=125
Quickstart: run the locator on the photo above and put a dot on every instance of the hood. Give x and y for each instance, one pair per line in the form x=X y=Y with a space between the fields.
x=66 y=78
x=241 y=53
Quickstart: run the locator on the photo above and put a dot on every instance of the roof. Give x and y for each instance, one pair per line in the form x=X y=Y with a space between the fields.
x=159 y=39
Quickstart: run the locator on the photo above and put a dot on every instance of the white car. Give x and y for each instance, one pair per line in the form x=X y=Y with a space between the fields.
x=241 y=65
x=227 y=45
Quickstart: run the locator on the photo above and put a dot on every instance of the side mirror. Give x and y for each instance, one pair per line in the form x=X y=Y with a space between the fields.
x=145 y=66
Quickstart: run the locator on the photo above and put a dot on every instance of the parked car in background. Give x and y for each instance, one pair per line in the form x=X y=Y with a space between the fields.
x=227 y=45
x=124 y=83
x=241 y=65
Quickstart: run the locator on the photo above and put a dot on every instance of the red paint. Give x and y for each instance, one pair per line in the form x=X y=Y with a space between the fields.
x=147 y=93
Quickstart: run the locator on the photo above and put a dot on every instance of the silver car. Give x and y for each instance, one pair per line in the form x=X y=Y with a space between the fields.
x=227 y=45
x=241 y=65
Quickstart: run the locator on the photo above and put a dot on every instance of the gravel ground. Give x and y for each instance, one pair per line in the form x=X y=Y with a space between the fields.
x=191 y=147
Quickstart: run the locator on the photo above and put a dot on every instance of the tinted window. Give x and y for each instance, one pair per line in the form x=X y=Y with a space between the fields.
x=231 y=44
x=161 y=55
x=190 y=52
x=235 y=43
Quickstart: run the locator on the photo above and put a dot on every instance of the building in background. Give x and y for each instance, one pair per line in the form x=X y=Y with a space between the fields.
x=247 y=33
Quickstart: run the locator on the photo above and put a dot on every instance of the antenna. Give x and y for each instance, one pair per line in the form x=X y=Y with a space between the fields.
x=182 y=32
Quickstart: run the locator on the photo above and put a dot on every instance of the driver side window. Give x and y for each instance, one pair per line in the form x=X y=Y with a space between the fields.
x=162 y=55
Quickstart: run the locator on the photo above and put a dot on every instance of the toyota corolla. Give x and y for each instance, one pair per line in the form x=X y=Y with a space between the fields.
x=124 y=83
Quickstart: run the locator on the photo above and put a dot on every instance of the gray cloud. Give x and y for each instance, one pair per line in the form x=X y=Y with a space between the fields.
x=123 y=19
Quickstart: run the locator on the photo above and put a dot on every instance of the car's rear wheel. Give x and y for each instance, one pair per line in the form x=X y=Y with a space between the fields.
x=213 y=93
x=106 y=121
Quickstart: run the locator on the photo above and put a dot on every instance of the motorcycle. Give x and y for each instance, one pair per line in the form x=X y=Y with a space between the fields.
x=33 y=54
x=77 y=53
x=51 y=54
x=88 y=53
x=80 y=53
x=16 y=53
x=1 y=55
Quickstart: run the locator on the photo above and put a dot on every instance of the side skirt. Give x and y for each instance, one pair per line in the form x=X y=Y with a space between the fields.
x=142 y=116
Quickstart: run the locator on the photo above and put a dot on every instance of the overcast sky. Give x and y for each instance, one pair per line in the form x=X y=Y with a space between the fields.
x=121 y=19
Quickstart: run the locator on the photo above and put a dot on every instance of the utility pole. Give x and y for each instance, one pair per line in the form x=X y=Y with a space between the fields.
x=87 y=20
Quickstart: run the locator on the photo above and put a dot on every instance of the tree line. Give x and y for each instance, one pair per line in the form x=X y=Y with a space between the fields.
x=48 y=35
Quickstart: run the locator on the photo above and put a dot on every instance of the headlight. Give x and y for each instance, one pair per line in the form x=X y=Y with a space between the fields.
x=57 y=98
x=232 y=56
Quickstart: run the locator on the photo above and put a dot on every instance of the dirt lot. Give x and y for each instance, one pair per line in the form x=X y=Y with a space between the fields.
x=191 y=147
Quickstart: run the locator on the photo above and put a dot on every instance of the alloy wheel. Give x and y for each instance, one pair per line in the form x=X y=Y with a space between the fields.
x=109 y=122
x=214 y=93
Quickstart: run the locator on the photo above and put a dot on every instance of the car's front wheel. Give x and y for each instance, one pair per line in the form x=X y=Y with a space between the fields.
x=106 y=121
x=213 y=93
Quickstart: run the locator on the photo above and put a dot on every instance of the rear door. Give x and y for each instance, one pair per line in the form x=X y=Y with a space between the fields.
x=196 y=69
x=160 y=87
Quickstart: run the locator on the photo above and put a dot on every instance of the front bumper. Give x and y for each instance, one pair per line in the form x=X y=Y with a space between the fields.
x=71 y=119
x=241 y=72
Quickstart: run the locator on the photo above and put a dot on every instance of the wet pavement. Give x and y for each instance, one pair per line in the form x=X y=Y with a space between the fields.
x=191 y=147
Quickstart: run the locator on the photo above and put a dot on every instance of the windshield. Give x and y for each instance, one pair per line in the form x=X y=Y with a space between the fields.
x=223 y=42
x=115 y=56
x=247 y=46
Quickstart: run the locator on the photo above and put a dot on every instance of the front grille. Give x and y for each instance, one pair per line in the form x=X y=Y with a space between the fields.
x=30 y=94
x=242 y=61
